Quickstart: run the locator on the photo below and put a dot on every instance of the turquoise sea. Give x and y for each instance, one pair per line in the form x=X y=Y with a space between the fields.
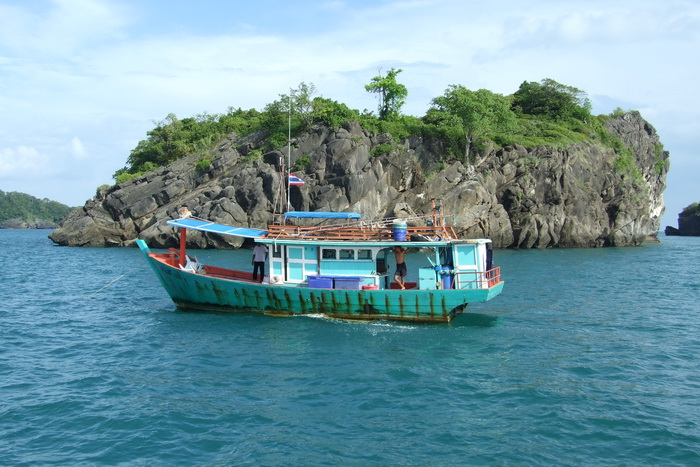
x=589 y=357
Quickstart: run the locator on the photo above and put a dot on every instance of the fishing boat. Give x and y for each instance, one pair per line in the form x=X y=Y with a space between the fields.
x=339 y=267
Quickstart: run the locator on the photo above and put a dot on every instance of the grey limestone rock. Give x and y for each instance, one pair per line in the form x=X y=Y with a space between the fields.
x=519 y=197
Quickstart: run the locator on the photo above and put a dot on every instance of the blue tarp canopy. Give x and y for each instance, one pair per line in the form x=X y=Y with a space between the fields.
x=321 y=215
x=206 y=226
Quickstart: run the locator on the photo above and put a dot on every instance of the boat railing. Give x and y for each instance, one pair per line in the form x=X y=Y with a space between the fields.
x=357 y=232
x=172 y=258
x=477 y=279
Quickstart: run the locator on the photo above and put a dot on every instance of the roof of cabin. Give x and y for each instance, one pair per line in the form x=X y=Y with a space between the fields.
x=321 y=215
x=206 y=226
x=348 y=236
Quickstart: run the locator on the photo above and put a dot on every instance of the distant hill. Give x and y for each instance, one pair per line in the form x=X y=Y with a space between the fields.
x=22 y=211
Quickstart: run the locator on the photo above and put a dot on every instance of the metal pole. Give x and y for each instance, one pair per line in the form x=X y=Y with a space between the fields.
x=289 y=147
x=183 y=242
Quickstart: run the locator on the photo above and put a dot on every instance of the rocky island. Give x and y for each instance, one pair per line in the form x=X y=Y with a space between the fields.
x=688 y=222
x=586 y=193
x=519 y=197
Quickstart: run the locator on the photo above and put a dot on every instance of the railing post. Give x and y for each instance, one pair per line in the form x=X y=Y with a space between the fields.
x=183 y=243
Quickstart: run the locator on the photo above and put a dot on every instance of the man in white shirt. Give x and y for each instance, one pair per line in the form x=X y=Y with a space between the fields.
x=259 y=258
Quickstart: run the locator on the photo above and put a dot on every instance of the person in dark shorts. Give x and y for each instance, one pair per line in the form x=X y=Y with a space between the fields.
x=401 y=270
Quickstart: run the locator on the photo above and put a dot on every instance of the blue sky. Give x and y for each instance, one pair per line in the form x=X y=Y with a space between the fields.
x=82 y=81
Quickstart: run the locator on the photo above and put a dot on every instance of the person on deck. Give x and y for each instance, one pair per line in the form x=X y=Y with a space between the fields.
x=401 y=270
x=259 y=258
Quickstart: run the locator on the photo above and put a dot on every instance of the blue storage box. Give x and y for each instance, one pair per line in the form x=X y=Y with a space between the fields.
x=349 y=283
x=320 y=282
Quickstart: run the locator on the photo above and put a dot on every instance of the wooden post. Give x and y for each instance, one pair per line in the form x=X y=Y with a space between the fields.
x=183 y=242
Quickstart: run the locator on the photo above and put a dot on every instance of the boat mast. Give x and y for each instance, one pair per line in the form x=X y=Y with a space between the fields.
x=184 y=214
x=283 y=195
x=289 y=146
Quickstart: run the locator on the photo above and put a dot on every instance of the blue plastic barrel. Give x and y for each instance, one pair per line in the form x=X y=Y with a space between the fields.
x=399 y=229
x=446 y=277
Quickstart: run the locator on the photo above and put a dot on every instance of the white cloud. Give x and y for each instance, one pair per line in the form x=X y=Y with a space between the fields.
x=61 y=29
x=21 y=162
x=77 y=149
x=106 y=69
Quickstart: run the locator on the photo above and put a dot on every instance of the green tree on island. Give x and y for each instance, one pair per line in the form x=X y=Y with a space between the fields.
x=392 y=95
x=277 y=120
x=552 y=100
x=475 y=112
x=461 y=120
x=291 y=112
x=303 y=101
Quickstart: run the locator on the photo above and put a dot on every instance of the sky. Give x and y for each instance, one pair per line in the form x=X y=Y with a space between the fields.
x=82 y=81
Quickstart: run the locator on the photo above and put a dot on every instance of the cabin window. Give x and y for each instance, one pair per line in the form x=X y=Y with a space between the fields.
x=346 y=254
x=277 y=251
x=364 y=254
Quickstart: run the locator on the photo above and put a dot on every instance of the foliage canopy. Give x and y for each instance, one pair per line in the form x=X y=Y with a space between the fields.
x=552 y=100
x=392 y=95
x=463 y=121
x=476 y=112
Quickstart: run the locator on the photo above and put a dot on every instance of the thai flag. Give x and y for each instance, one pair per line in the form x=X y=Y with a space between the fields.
x=294 y=180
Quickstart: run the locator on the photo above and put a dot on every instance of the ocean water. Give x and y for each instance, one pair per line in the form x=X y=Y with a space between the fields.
x=589 y=357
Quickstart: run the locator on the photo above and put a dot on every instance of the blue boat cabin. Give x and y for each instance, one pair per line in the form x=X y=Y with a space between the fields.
x=327 y=264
